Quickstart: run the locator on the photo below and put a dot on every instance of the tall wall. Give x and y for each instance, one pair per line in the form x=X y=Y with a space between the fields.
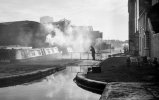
x=133 y=33
x=153 y=16
x=144 y=34
x=148 y=28
x=155 y=46
x=24 y=33
x=143 y=27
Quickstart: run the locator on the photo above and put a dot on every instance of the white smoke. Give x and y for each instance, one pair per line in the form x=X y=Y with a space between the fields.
x=75 y=40
x=58 y=39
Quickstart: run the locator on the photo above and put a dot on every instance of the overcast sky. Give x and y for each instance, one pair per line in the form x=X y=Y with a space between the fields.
x=107 y=16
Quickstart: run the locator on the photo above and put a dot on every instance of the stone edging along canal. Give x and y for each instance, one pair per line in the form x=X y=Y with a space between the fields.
x=89 y=84
x=28 y=77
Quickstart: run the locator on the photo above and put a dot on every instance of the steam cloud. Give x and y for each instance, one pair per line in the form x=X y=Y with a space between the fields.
x=73 y=38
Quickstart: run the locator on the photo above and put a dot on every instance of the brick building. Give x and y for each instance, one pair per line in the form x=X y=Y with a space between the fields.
x=133 y=27
x=23 y=33
x=144 y=23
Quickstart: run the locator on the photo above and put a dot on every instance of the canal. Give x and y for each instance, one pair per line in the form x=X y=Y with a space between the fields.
x=58 y=86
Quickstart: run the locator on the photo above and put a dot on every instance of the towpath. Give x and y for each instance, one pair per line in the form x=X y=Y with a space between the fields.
x=127 y=82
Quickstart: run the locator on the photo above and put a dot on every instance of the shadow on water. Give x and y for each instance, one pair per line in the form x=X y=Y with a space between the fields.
x=57 y=86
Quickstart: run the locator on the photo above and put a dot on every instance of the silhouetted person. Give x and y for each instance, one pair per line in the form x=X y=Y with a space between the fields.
x=93 y=52
x=145 y=59
x=149 y=61
x=155 y=63
x=128 y=61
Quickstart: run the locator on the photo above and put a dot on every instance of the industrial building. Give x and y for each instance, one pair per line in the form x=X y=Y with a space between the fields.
x=143 y=27
x=22 y=33
x=25 y=39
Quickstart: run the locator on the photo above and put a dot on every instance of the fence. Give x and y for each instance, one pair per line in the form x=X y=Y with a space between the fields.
x=8 y=55
x=85 y=55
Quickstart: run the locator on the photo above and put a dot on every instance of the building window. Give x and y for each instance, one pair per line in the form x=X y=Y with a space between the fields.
x=154 y=2
x=140 y=44
x=144 y=41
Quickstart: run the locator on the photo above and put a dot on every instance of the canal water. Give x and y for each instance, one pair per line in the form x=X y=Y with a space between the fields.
x=58 y=86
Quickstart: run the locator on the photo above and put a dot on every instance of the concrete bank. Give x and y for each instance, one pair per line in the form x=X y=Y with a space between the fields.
x=130 y=91
x=31 y=69
x=127 y=82
x=33 y=64
x=88 y=84
x=28 y=77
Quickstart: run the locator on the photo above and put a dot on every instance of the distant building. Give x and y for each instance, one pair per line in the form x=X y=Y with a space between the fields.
x=102 y=45
x=82 y=28
x=95 y=35
x=46 y=20
x=62 y=25
x=23 y=33
x=88 y=31
x=33 y=34
x=145 y=22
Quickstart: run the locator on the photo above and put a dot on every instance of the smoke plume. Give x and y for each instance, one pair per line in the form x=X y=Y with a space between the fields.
x=73 y=38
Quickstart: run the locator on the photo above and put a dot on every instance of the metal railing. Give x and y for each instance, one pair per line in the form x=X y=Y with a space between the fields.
x=85 y=55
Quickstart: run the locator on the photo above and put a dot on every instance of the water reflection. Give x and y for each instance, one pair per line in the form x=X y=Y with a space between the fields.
x=80 y=68
x=85 y=55
x=58 y=86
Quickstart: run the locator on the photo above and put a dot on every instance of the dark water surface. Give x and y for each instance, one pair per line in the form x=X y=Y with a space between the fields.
x=58 y=86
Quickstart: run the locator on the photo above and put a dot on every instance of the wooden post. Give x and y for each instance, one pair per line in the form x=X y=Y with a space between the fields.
x=88 y=56
x=80 y=55
x=71 y=55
